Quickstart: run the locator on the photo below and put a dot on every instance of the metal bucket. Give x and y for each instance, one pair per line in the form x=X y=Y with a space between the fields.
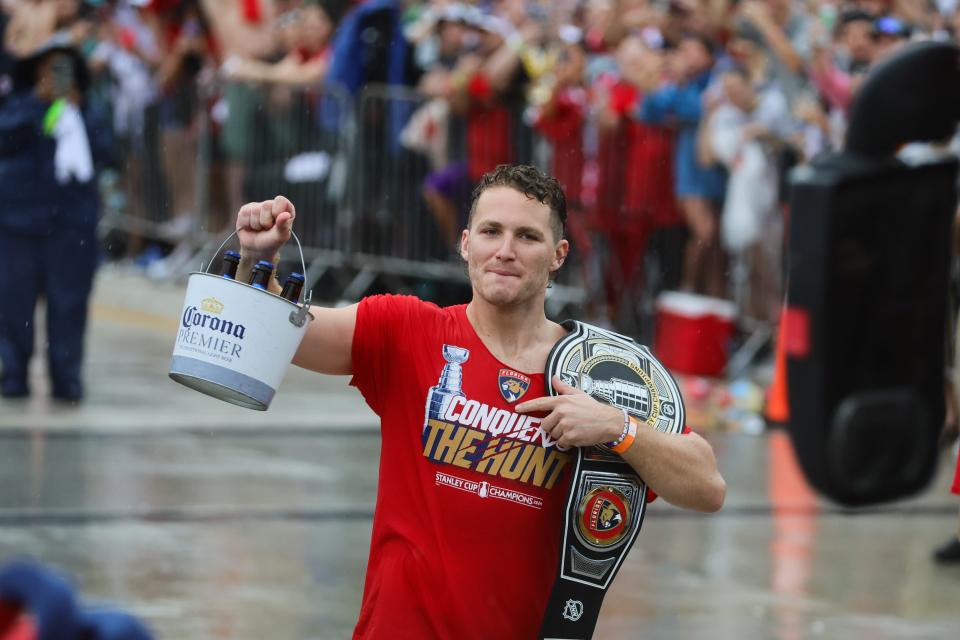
x=235 y=341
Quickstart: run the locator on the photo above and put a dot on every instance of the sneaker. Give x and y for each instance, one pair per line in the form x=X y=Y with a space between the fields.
x=177 y=228
x=13 y=386
x=69 y=392
x=948 y=553
x=173 y=264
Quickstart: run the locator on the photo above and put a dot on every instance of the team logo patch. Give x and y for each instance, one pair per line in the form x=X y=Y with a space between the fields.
x=603 y=516
x=513 y=384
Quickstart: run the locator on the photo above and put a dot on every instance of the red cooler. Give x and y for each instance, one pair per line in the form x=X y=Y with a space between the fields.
x=693 y=333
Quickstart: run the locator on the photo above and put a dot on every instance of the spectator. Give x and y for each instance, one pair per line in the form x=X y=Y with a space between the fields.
x=746 y=133
x=446 y=189
x=184 y=38
x=784 y=27
x=644 y=206
x=560 y=119
x=246 y=30
x=306 y=56
x=49 y=143
x=678 y=103
x=32 y=24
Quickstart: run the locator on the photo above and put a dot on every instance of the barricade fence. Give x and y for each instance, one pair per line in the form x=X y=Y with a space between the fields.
x=418 y=160
x=381 y=180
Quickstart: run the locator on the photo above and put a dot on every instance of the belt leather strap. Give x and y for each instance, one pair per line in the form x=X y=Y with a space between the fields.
x=607 y=498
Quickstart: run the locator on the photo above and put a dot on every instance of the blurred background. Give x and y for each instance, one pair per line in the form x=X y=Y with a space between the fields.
x=673 y=126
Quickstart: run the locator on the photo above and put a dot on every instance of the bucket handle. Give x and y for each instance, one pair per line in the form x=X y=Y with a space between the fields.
x=297 y=318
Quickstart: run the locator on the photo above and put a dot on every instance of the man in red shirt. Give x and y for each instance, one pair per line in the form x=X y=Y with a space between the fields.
x=474 y=463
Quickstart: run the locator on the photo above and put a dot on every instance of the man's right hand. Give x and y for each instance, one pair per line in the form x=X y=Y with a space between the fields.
x=264 y=227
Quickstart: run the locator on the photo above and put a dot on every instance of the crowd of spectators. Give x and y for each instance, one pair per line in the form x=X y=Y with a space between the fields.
x=672 y=124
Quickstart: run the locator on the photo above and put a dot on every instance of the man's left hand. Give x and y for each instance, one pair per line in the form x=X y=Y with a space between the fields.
x=574 y=419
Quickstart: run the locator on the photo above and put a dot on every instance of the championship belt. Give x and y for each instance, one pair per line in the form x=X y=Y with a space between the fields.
x=607 y=498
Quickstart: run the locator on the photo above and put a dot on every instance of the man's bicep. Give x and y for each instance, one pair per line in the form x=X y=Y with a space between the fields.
x=328 y=344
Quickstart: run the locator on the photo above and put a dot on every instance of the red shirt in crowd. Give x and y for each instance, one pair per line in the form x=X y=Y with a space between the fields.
x=648 y=195
x=489 y=129
x=562 y=124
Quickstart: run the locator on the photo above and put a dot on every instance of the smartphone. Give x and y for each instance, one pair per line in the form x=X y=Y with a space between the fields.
x=61 y=70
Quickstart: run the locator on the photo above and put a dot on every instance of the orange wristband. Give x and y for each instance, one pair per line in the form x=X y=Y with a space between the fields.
x=627 y=441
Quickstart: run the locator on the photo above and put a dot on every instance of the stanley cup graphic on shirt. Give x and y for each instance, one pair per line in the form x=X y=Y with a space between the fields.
x=450 y=384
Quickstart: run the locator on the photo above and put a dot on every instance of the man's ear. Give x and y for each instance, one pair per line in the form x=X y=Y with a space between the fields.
x=464 y=236
x=560 y=254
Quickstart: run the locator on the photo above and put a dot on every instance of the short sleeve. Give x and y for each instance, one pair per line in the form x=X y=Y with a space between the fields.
x=381 y=322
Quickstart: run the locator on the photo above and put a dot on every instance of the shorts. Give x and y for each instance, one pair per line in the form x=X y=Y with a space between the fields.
x=237 y=131
x=451 y=182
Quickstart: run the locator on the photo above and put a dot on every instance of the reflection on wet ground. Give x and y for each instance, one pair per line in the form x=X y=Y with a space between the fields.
x=221 y=534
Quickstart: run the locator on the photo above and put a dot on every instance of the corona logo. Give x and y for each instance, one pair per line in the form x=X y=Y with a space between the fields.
x=211 y=305
x=192 y=317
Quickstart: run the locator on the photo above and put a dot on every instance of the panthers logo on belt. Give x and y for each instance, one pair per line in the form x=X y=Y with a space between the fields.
x=603 y=516
x=513 y=384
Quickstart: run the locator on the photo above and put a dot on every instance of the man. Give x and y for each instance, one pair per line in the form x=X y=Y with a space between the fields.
x=50 y=143
x=468 y=520
x=747 y=133
x=679 y=102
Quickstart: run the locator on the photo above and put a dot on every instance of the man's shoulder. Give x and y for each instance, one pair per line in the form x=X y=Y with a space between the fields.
x=407 y=306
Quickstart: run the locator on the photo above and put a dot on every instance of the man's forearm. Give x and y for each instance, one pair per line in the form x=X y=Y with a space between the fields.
x=679 y=468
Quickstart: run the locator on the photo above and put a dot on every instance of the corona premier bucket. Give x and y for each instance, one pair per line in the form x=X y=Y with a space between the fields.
x=234 y=341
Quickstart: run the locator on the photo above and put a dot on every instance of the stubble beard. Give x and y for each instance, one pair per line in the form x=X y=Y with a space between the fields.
x=502 y=297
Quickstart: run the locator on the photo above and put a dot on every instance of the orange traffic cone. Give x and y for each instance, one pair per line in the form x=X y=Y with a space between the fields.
x=778 y=401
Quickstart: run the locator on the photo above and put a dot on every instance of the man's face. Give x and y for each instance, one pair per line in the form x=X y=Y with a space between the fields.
x=858 y=37
x=696 y=58
x=55 y=77
x=451 y=36
x=571 y=63
x=739 y=92
x=630 y=57
x=510 y=248
x=316 y=28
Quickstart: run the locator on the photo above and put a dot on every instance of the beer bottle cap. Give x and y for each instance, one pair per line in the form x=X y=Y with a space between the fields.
x=265 y=263
x=296 y=276
x=231 y=254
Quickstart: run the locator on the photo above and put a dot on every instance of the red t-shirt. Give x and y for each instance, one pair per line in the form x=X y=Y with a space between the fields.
x=564 y=129
x=471 y=495
x=648 y=197
x=489 y=143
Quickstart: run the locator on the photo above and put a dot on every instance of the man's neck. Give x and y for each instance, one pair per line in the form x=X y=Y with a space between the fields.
x=518 y=336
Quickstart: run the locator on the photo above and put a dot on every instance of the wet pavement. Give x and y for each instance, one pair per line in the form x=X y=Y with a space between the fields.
x=211 y=521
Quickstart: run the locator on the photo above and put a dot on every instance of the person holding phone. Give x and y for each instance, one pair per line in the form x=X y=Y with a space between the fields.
x=49 y=142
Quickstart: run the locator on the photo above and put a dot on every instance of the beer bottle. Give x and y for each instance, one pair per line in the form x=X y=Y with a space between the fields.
x=231 y=259
x=260 y=275
x=292 y=287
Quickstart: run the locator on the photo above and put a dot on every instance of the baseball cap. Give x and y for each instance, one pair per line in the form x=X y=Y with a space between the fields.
x=891 y=26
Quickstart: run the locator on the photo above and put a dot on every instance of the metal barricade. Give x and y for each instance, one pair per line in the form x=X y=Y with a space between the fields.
x=416 y=164
x=377 y=195
x=299 y=146
x=135 y=193
x=393 y=229
x=258 y=141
